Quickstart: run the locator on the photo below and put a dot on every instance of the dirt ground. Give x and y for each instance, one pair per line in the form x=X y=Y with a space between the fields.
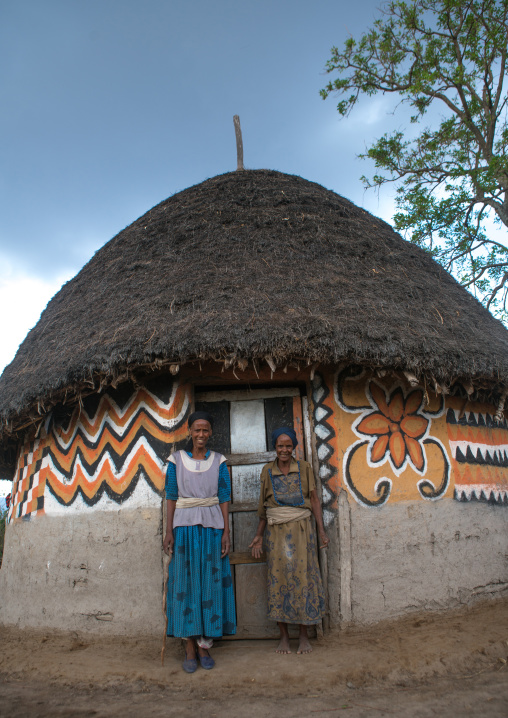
x=452 y=664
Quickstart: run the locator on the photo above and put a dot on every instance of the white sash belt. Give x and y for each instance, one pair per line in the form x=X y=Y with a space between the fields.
x=191 y=502
x=284 y=514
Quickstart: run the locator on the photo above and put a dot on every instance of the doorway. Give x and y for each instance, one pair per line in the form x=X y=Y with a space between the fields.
x=243 y=422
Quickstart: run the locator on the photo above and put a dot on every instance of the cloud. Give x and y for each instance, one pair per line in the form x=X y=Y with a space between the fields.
x=22 y=299
x=5 y=487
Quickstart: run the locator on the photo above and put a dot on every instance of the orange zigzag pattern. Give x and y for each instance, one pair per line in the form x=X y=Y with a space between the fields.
x=118 y=484
x=494 y=476
x=91 y=440
x=490 y=436
x=108 y=408
x=21 y=505
x=120 y=446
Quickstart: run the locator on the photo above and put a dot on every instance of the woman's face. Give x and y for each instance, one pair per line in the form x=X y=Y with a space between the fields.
x=200 y=431
x=283 y=447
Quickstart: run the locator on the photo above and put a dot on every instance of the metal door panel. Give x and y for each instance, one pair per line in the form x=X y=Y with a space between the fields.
x=246 y=483
x=247 y=426
x=244 y=530
x=251 y=602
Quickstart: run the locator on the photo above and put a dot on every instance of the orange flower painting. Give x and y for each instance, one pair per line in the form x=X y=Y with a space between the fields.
x=395 y=427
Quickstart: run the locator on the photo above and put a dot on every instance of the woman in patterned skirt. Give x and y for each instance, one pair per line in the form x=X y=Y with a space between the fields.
x=200 y=598
x=287 y=500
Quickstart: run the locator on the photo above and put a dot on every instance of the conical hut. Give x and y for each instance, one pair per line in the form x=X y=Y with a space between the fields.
x=266 y=299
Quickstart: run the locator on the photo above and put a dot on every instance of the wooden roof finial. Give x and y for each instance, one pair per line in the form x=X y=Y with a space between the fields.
x=239 y=143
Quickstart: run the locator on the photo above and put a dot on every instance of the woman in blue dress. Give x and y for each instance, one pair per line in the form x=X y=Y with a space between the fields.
x=200 y=598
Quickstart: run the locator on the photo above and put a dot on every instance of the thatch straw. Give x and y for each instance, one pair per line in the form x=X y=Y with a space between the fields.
x=254 y=265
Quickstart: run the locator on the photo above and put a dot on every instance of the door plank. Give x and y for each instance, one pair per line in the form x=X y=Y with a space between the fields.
x=246 y=394
x=298 y=427
x=247 y=426
x=243 y=557
x=244 y=531
x=251 y=605
x=307 y=429
x=252 y=599
x=246 y=483
x=247 y=506
x=260 y=457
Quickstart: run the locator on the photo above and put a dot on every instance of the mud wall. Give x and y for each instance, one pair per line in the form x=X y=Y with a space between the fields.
x=99 y=572
x=415 y=493
x=84 y=534
x=427 y=557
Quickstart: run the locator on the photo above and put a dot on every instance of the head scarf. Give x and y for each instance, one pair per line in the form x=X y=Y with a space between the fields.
x=287 y=431
x=204 y=415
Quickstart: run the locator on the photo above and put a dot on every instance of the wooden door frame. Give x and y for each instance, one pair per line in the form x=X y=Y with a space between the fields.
x=322 y=552
x=216 y=394
x=275 y=389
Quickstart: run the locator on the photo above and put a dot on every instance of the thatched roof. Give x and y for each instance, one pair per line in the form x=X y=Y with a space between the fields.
x=254 y=264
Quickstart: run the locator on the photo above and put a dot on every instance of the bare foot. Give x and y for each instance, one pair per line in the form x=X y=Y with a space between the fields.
x=283 y=646
x=304 y=645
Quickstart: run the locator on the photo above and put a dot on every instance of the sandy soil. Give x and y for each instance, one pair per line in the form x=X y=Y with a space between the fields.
x=452 y=664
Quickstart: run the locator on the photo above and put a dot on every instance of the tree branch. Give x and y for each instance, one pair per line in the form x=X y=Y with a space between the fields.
x=497 y=288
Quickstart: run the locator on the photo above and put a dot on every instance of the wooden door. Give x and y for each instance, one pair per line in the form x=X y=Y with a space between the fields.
x=243 y=423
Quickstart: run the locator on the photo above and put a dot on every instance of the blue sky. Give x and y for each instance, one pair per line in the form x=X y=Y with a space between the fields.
x=110 y=106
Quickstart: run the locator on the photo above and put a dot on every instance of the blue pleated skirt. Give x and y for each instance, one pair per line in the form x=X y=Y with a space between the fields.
x=201 y=600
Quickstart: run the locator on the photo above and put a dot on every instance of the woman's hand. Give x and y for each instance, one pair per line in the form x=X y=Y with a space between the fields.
x=323 y=540
x=225 y=544
x=257 y=546
x=168 y=543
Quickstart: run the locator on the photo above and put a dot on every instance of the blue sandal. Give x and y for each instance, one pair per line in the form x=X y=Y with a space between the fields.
x=190 y=665
x=207 y=662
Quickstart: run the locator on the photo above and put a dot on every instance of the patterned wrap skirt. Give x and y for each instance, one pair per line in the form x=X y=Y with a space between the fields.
x=200 y=599
x=295 y=590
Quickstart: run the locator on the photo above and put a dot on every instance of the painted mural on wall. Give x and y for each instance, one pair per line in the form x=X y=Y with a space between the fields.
x=479 y=450
x=27 y=498
x=326 y=448
x=395 y=447
x=375 y=436
x=104 y=448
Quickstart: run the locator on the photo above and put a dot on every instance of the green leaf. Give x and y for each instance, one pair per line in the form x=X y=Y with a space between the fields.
x=452 y=178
